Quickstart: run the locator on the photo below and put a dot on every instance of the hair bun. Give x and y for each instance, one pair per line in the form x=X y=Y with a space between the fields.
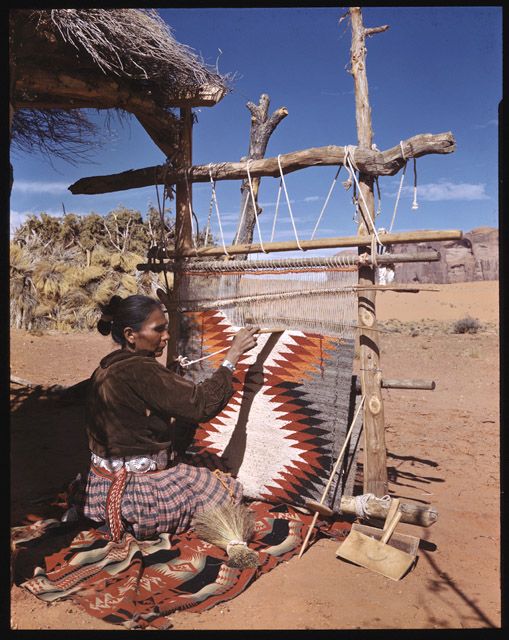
x=108 y=312
x=104 y=327
x=113 y=305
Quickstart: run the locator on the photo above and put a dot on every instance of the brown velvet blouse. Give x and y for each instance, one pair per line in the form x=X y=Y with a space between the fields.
x=134 y=401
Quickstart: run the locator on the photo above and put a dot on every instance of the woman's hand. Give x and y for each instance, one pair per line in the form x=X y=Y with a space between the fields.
x=243 y=341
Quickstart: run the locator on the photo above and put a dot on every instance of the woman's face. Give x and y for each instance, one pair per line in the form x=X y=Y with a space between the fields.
x=152 y=336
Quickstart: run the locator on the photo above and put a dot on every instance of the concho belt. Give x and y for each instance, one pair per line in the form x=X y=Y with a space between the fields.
x=134 y=464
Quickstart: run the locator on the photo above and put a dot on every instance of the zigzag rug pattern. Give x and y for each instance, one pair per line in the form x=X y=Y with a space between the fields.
x=282 y=429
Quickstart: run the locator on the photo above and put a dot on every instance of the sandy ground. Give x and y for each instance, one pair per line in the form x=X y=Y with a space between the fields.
x=443 y=451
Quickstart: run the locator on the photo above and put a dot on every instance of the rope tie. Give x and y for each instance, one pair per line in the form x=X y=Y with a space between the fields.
x=214 y=198
x=379 y=208
x=414 y=203
x=277 y=209
x=361 y=503
x=254 y=206
x=399 y=191
x=349 y=154
x=161 y=219
x=239 y=226
x=207 y=228
x=190 y=206
x=288 y=202
x=326 y=202
x=349 y=162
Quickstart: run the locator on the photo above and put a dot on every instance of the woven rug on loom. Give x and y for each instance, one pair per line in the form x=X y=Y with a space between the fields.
x=140 y=584
x=281 y=432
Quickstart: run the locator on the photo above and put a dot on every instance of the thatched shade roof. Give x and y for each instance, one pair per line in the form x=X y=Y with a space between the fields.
x=128 y=59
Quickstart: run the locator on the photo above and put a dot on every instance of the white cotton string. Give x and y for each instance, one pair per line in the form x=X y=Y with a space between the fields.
x=399 y=194
x=214 y=198
x=276 y=211
x=241 y=221
x=326 y=202
x=207 y=229
x=193 y=238
x=255 y=209
x=414 y=203
x=379 y=208
x=185 y=362
x=348 y=161
x=348 y=183
x=402 y=150
x=361 y=503
x=288 y=202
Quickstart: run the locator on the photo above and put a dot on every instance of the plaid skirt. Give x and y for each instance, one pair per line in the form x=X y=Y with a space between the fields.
x=156 y=502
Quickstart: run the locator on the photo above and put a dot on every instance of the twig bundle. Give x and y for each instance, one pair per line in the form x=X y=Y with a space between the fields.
x=229 y=527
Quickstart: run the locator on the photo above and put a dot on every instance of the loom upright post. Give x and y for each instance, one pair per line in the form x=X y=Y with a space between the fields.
x=375 y=455
x=183 y=227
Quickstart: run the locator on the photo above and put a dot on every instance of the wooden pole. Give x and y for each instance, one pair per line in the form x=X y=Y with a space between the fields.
x=183 y=226
x=385 y=258
x=320 y=243
x=424 y=385
x=375 y=455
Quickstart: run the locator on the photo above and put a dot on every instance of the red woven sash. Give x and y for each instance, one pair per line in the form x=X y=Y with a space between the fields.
x=114 y=502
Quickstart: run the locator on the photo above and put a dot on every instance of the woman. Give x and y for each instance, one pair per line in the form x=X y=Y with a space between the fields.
x=135 y=481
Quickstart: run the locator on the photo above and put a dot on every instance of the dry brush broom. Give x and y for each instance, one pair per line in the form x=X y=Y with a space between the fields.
x=229 y=527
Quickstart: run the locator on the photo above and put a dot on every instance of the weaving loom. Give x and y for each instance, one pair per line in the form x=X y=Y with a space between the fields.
x=293 y=402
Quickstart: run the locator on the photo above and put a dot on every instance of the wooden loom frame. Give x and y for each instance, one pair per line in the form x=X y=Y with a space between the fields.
x=371 y=163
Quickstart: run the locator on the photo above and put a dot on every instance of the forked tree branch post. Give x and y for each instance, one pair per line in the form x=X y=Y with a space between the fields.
x=262 y=127
x=375 y=455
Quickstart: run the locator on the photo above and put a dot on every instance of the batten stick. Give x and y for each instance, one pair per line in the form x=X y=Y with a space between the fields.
x=334 y=470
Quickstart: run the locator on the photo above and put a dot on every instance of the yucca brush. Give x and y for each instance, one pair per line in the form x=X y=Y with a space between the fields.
x=229 y=527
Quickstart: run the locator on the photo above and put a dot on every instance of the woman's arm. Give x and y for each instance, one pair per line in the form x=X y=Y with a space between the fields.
x=169 y=394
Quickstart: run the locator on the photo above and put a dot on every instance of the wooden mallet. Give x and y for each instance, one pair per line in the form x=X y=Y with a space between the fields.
x=327 y=487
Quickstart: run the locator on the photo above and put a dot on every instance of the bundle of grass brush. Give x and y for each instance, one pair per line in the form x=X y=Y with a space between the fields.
x=230 y=527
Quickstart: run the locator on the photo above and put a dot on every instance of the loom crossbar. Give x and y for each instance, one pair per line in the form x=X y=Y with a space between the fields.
x=290 y=263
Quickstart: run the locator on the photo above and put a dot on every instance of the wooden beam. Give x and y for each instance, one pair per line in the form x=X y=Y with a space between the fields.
x=320 y=243
x=385 y=258
x=411 y=513
x=39 y=88
x=369 y=161
x=375 y=455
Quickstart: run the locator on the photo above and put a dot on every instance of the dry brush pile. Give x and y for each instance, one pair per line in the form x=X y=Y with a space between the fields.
x=62 y=269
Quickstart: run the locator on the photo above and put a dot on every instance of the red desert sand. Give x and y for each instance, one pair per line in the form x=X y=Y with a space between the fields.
x=442 y=448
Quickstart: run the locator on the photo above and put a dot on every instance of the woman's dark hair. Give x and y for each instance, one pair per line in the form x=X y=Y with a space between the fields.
x=120 y=313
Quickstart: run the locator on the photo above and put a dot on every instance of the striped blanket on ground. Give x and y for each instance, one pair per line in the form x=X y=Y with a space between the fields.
x=139 y=584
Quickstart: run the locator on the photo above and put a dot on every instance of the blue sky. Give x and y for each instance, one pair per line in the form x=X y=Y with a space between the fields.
x=436 y=69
